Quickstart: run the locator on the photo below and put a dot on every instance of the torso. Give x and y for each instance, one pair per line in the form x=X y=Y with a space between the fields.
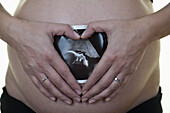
x=145 y=82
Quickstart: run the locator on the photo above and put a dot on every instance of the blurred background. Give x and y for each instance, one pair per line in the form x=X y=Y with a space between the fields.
x=10 y=6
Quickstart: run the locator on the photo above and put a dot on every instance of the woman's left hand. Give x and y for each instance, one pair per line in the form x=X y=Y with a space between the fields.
x=127 y=42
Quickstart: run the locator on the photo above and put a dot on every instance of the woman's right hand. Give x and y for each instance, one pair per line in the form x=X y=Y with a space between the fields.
x=33 y=42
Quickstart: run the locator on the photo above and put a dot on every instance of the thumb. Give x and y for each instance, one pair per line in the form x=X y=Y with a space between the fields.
x=92 y=28
x=65 y=29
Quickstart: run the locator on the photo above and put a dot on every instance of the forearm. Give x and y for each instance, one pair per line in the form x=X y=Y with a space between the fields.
x=160 y=23
x=5 y=22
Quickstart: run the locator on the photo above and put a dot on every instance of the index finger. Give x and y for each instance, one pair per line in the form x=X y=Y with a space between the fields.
x=97 y=26
x=63 y=29
x=61 y=67
x=101 y=68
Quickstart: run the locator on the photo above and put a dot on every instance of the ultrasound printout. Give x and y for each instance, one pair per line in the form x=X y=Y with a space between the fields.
x=82 y=55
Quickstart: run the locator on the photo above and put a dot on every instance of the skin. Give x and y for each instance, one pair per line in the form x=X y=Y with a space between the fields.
x=39 y=61
x=122 y=62
x=133 y=59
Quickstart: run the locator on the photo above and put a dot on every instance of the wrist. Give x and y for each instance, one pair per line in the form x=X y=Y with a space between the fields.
x=151 y=27
x=8 y=29
x=5 y=25
x=143 y=27
x=158 y=23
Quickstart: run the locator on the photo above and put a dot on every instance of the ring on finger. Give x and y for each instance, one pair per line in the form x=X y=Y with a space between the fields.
x=44 y=79
x=118 y=80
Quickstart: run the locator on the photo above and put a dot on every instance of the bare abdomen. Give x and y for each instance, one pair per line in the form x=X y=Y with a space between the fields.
x=78 y=12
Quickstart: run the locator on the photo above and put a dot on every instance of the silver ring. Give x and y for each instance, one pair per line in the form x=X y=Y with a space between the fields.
x=118 y=80
x=44 y=79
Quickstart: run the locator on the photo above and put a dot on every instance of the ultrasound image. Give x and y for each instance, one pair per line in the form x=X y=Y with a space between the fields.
x=82 y=55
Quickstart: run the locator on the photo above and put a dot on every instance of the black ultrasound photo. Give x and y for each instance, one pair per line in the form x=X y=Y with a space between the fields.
x=82 y=55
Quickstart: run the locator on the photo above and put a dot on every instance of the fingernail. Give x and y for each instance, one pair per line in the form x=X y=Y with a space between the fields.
x=91 y=101
x=77 y=99
x=68 y=102
x=82 y=36
x=78 y=92
x=108 y=99
x=84 y=99
x=84 y=92
x=77 y=35
x=53 y=98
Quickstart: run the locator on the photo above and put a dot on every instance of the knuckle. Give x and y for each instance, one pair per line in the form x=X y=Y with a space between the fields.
x=49 y=56
x=30 y=65
x=47 y=70
x=69 y=93
x=103 y=86
x=101 y=96
x=42 y=90
x=111 y=57
x=89 y=95
x=35 y=82
x=28 y=70
x=49 y=87
x=65 y=72
x=62 y=98
x=55 y=92
x=38 y=84
x=72 y=84
x=112 y=88
x=66 y=26
x=92 y=92
x=41 y=65
x=92 y=25
x=59 y=83
x=97 y=76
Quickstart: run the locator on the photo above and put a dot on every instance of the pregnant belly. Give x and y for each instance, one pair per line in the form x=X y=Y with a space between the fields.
x=81 y=12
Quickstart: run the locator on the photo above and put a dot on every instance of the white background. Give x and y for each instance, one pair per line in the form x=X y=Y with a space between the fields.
x=10 y=6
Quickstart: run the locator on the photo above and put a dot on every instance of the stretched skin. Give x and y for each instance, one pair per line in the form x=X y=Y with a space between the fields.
x=145 y=82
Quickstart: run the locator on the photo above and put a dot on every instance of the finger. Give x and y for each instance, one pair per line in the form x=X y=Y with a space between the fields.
x=97 y=26
x=42 y=89
x=114 y=93
x=53 y=90
x=123 y=79
x=104 y=82
x=64 y=29
x=101 y=68
x=56 y=79
x=114 y=86
x=62 y=69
